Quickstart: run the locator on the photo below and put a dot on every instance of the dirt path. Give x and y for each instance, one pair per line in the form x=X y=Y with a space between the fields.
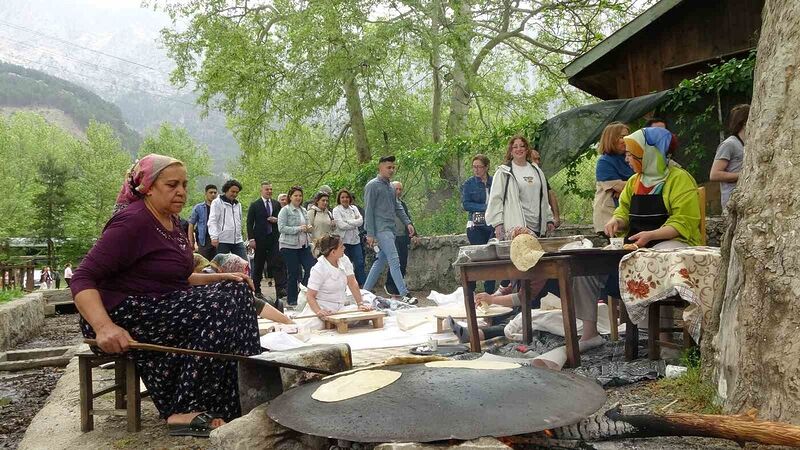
x=22 y=394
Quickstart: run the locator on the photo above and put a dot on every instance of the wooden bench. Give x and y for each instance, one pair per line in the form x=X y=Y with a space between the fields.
x=341 y=322
x=127 y=394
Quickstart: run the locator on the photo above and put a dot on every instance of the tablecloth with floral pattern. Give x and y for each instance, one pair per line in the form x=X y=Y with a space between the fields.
x=647 y=276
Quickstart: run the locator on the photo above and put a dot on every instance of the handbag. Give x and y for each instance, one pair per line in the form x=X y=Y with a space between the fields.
x=478 y=218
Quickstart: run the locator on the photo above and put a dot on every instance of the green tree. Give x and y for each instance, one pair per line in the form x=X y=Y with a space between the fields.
x=101 y=166
x=25 y=139
x=52 y=203
x=176 y=142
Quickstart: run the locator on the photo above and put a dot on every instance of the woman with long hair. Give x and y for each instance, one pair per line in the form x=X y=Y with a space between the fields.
x=611 y=173
x=518 y=197
x=295 y=243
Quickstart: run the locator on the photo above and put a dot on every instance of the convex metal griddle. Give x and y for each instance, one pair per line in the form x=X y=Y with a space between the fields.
x=432 y=404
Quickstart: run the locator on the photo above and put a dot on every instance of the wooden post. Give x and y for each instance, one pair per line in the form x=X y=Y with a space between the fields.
x=29 y=281
x=133 y=397
x=613 y=317
x=119 y=381
x=472 y=318
x=525 y=304
x=568 y=313
x=653 y=331
x=631 y=334
x=85 y=388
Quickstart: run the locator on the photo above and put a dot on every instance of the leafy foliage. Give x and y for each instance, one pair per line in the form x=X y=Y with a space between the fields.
x=694 y=106
x=62 y=188
x=176 y=142
x=52 y=202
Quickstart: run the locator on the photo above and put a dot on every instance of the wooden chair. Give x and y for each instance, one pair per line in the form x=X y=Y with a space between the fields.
x=617 y=312
x=127 y=395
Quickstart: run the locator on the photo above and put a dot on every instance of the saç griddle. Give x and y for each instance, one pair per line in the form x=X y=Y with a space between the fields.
x=432 y=404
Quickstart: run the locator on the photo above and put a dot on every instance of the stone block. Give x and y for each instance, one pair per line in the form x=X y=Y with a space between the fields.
x=259 y=384
x=484 y=443
x=21 y=319
x=256 y=430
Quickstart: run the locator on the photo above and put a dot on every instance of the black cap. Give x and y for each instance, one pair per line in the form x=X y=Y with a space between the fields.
x=389 y=158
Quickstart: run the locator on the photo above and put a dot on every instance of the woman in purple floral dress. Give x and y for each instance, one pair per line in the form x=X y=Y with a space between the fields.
x=136 y=283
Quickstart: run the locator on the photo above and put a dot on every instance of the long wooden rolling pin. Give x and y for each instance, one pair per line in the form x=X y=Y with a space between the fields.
x=227 y=356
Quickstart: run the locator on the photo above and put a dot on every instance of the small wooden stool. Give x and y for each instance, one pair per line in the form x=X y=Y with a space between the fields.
x=341 y=322
x=127 y=395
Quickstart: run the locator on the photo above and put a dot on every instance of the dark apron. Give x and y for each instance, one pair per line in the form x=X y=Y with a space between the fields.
x=647 y=213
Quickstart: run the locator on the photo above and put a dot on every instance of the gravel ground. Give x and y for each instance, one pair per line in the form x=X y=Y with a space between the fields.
x=22 y=394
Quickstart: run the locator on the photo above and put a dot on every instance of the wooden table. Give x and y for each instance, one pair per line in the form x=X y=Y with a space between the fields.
x=555 y=265
x=342 y=321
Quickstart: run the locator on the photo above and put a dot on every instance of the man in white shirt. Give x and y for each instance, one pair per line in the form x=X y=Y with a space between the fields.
x=225 y=221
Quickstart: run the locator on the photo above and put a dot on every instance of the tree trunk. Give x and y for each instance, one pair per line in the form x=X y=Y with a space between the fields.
x=756 y=343
x=436 y=68
x=460 y=99
x=356 y=113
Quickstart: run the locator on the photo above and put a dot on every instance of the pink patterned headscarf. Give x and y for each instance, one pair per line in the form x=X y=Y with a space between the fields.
x=140 y=178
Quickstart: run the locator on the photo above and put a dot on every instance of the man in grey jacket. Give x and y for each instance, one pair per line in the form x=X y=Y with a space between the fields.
x=380 y=209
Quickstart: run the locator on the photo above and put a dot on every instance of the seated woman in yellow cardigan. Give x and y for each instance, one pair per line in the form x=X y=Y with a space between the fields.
x=658 y=208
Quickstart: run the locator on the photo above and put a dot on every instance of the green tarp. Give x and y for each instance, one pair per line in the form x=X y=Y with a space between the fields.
x=567 y=135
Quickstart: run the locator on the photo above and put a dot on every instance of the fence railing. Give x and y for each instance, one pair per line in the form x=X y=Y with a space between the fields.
x=16 y=276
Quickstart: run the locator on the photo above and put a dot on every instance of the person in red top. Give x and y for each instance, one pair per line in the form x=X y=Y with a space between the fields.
x=136 y=283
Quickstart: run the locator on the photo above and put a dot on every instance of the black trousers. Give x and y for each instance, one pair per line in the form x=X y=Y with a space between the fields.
x=402 y=243
x=267 y=252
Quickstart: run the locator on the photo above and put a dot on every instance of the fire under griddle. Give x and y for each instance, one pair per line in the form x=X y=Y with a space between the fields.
x=433 y=404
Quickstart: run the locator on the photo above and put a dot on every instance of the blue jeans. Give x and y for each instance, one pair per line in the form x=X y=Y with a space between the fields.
x=295 y=260
x=355 y=253
x=236 y=249
x=387 y=254
x=479 y=235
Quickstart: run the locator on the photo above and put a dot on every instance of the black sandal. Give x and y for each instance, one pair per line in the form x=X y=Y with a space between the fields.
x=200 y=426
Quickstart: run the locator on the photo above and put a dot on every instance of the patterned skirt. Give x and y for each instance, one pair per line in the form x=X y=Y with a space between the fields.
x=217 y=317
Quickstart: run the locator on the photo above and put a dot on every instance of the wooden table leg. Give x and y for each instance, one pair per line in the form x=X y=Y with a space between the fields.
x=440 y=324
x=341 y=327
x=472 y=318
x=568 y=313
x=525 y=305
x=377 y=322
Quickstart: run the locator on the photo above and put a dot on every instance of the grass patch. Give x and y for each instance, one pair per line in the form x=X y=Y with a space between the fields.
x=6 y=295
x=124 y=443
x=688 y=393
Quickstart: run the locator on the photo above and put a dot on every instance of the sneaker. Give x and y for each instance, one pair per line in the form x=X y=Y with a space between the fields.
x=409 y=299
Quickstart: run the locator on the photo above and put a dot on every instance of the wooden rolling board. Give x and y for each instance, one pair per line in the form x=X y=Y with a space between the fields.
x=341 y=321
x=457 y=312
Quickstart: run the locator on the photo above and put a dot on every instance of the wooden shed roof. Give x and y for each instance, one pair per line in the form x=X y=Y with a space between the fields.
x=620 y=36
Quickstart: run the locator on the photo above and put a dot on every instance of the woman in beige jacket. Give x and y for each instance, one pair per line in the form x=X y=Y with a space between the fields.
x=611 y=173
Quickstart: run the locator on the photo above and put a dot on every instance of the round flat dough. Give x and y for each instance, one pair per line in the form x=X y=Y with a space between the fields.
x=474 y=364
x=353 y=385
x=526 y=251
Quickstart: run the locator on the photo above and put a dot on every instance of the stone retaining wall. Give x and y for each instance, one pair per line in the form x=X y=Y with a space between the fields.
x=21 y=319
x=430 y=261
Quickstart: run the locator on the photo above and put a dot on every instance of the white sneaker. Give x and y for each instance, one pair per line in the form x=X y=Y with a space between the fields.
x=409 y=299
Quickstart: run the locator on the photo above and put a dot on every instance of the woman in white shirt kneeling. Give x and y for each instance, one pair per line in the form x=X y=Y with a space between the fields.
x=327 y=284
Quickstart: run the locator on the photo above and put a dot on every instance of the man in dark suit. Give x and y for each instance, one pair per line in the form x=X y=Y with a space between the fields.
x=262 y=231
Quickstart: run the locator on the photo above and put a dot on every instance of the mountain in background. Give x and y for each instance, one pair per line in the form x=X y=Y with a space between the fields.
x=62 y=102
x=111 y=48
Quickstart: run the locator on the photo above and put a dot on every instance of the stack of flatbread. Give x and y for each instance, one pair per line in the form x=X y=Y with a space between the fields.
x=526 y=251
